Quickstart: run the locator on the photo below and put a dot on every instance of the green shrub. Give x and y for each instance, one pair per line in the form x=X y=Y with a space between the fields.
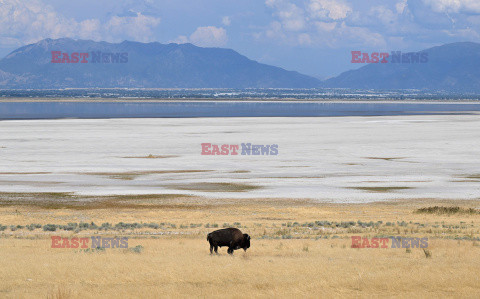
x=137 y=249
x=50 y=227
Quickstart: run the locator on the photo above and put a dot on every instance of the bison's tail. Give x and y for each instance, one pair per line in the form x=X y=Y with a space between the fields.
x=208 y=237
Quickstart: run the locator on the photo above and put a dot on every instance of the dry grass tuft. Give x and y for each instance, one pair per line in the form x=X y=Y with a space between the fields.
x=60 y=293
x=428 y=253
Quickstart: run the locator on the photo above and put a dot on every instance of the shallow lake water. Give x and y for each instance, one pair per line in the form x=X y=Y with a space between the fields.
x=36 y=109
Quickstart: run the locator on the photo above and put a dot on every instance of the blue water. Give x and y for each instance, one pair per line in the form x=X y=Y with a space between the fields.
x=179 y=109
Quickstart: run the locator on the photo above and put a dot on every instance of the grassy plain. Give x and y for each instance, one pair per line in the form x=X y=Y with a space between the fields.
x=300 y=248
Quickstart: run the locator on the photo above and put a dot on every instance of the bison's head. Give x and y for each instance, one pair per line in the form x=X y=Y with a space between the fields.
x=246 y=242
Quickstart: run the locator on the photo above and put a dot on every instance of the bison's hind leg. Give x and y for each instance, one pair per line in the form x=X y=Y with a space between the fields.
x=213 y=246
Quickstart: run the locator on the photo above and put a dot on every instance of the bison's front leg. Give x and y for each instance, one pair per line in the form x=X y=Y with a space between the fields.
x=211 y=249
x=231 y=247
x=216 y=249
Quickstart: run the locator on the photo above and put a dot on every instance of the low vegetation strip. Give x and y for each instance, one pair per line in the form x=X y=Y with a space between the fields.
x=284 y=230
x=448 y=210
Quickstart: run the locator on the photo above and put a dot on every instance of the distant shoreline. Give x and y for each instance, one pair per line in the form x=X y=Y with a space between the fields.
x=230 y=100
x=17 y=110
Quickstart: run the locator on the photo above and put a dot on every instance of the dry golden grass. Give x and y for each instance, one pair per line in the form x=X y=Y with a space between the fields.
x=271 y=268
x=175 y=262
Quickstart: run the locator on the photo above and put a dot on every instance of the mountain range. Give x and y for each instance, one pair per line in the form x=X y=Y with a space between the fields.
x=147 y=65
x=68 y=63
x=452 y=67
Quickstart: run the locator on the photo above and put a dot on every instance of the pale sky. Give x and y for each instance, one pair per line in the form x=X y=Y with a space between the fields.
x=314 y=37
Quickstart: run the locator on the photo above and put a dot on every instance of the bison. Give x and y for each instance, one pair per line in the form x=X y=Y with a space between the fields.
x=231 y=237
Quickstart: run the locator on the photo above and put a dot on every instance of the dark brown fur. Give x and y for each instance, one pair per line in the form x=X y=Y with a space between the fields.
x=231 y=237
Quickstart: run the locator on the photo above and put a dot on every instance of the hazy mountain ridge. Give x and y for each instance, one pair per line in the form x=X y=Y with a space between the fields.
x=151 y=65
x=451 y=67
